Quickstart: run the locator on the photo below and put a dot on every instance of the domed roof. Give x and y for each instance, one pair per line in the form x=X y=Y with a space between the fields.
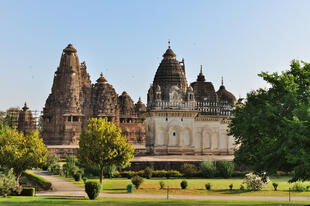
x=170 y=73
x=225 y=96
x=169 y=53
x=140 y=107
x=203 y=91
x=70 y=49
x=126 y=104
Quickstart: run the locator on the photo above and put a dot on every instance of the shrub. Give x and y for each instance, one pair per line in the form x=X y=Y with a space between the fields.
x=242 y=187
x=128 y=174
x=189 y=170
x=208 y=168
x=137 y=181
x=69 y=169
x=28 y=191
x=85 y=179
x=173 y=173
x=231 y=186
x=208 y=186
x=92 y=189
x=77 y=177
x=159 y=173
x=109 y=171
x=275 y=186
x=50 y=160
x=225 y=168
x=298 y=187
x=184 y=184
x=255 y=182
x=162 y=184
x=55 y=169
x=7 y=182
x=148 y=172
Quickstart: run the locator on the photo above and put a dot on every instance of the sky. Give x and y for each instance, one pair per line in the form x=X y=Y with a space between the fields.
x=126 y=39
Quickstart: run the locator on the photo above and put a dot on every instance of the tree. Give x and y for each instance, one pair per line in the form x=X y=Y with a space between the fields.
x=11 y=116
x=102 y=145
x=21 y=152
x=272 y=128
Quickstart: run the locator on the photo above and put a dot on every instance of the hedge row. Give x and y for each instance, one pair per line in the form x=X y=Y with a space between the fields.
x=37 y=180
x=155 y=173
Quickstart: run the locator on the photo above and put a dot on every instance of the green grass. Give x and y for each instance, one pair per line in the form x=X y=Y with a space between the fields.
x=38 y=180
x=36 y=201
x=196 y=187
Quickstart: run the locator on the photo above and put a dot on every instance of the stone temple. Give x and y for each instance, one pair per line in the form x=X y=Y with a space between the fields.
x=186 y=119
x=74 y=99
x=182 y=122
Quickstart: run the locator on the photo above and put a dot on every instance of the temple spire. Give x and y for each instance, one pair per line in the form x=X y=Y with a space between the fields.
x=222 y=81
x=201 y=77
x=169 y=46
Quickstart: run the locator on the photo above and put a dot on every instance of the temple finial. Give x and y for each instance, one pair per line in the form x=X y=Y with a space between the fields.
x=222 y=81
x=201 y=69
x=101 y=74
x=169 y=46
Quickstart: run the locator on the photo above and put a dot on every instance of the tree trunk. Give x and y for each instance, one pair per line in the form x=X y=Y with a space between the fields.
x=101 y=175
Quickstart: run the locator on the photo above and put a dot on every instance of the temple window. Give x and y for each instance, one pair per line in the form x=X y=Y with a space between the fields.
x=75 y=118
x=69 y=119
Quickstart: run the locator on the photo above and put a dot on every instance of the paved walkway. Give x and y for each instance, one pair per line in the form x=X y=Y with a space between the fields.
x=65 y=188
x=60 y=187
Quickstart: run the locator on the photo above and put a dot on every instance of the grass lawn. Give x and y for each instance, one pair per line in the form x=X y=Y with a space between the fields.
x=196 y=187
x=29 y=201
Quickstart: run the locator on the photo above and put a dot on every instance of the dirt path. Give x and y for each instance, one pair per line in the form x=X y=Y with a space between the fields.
x=60 y=187
x=66 y=188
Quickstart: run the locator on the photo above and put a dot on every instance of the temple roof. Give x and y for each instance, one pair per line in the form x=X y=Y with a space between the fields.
x=170 y=73
x=101 y=79
x=225 y=95
x=70 y=49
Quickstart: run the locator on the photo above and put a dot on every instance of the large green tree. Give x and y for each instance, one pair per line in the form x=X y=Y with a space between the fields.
x=21 y=152
x=272 y=128
x=102 y=145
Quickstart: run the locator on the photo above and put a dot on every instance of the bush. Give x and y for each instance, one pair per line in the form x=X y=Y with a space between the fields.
x=137 y=181
x=128 y=174
x=184 y=184
x=148 y=172
x=275 y=186
x=208 y=168
x=299 y=187
x=162 y=184
x=37 y=180
x=189 y=170
x=28 y=191
x=231 y=186
x=77 y=177
x=242 y=187
x=225 y=168
x=208 y=186
x=55 y=169
x=85 y=179
x=173 y=173
x=255 y=182
x=7 y=182
x=50 y=160
x=92 y=189
x=109 y=171
x=159 y=173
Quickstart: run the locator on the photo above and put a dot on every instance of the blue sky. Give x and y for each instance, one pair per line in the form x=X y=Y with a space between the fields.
x=125 y=41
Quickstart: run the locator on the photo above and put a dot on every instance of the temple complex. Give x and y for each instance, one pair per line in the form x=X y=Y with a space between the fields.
x=186 y=119
x=74 y=99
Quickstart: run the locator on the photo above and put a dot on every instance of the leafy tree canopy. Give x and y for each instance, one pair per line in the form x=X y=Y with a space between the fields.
x=272 y=128
x=21 y=152
x=102 y=145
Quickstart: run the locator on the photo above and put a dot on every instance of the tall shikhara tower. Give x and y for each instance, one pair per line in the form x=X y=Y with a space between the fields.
x=67 y=108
